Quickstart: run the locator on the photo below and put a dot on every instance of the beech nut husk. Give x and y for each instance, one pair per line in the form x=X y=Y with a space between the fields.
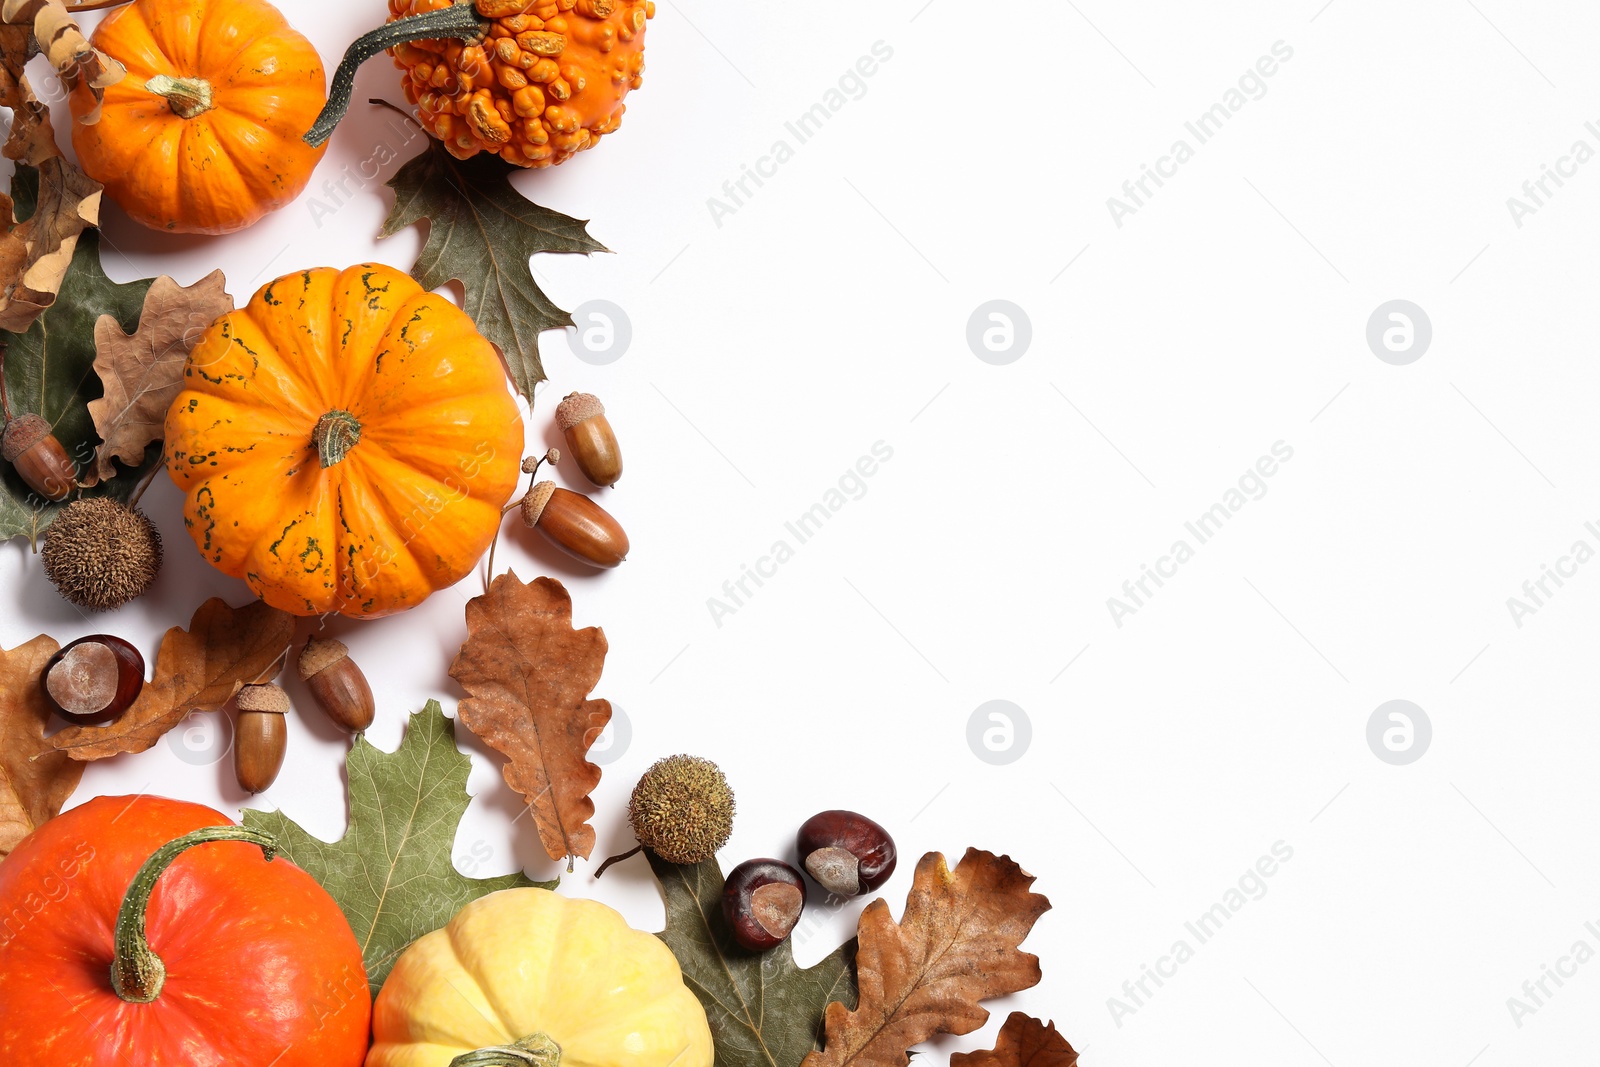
x=336 y=683
x=261 y=736
x=575 y=524
x=847 y=853
x=762 y=900
x=93 y=679
x=38 y=458
x=593 y=443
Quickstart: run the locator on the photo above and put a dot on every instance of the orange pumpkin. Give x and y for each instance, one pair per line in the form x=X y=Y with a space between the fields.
x=346 y=442
x=532 y=81
x=225 y=959
x=203 y=135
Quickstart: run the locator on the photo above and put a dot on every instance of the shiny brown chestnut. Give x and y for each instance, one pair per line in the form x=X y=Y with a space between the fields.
x=847 y=853
x=93 y=679
x=762 y=900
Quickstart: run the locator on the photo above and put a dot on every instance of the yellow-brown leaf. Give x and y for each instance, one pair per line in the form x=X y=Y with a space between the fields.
x=35 y=780
x=1022 y=1042
x=528 y=675
x=143 y=371
x=223 y=650
x=956 y=944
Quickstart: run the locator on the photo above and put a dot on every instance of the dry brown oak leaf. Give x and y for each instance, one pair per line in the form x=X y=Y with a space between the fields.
x=955 y=945
x=85 y=71
x=223 y=650
x=35 y=779
x=142 y=372
x=1022 y=1042
x=36 y=252
x=528 y=675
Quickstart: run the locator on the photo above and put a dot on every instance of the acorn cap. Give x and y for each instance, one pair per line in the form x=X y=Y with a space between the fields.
x=682 y=809
x=21 y=434
x=531 y=463
x=319 y=654
x=101 y=554
x=533 y=504
x=576 y=408
x=268 y=698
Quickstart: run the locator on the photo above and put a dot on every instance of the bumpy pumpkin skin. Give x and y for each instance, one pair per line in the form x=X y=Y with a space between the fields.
x=547 y=83
x=260 y=961
x=526 y=961
x=227 y=166
x=412 y=506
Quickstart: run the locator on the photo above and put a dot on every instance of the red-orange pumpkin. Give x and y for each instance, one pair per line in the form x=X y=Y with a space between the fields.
x=257 y=965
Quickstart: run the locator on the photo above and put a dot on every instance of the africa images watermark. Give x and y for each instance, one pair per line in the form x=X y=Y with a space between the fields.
x=1536 y=992
x=338 y=191
x=851 y=85
x=1537 y=592
x=1537 y=192
x=1252 y=85
x=1252 y=485
x=851 y=485
x=1251 y=885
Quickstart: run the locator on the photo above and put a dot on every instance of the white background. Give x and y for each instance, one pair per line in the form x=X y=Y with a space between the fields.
x=829 y=312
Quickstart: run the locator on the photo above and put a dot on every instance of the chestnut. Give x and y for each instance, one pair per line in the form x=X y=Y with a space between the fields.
x=93 y=679
x=848 y=854
x=762 y=900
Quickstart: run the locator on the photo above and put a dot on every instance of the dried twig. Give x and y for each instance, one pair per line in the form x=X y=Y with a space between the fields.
x=84 y=70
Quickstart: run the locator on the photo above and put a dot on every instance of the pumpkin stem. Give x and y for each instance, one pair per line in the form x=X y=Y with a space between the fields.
x=137 y=973
x=336 y=433
x=460 y=21
x=535 y=1050
x=187 y=97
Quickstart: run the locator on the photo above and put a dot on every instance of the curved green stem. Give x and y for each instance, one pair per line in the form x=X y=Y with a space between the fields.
x=335 y=434
x=137 y=973
x=460 y=21
x=535 y=1050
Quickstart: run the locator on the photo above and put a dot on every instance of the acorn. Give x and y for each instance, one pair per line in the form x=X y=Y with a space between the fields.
x=682 y=809
x=93 y=679
x=582 y=420
x=39 y=459
x=337 y=683
x=575 y=524
x=261 y=737
x=101 y=554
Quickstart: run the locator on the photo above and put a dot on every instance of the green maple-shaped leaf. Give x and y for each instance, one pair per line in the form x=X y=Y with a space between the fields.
x=764 y=1010
x=49 y=371
x=391 y=872
x=482 y=233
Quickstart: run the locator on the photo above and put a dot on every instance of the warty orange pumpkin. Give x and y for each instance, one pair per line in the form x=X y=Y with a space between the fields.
x=203 y=135
x=532 y=81
x=346 y=442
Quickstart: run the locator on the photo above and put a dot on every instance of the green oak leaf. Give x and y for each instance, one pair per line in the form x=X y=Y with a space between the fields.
x=49 y=371
x=482 y=233
x=391 y=872
x=764 y=1010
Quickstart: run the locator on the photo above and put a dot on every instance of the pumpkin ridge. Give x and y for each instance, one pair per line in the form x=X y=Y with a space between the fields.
x=387 y=502
x=484 y=982
x=192 y=189
x=260 y=20
x=218 y=121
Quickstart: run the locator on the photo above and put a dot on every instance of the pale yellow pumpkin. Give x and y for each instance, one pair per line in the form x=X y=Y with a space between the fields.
x=525 y=962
